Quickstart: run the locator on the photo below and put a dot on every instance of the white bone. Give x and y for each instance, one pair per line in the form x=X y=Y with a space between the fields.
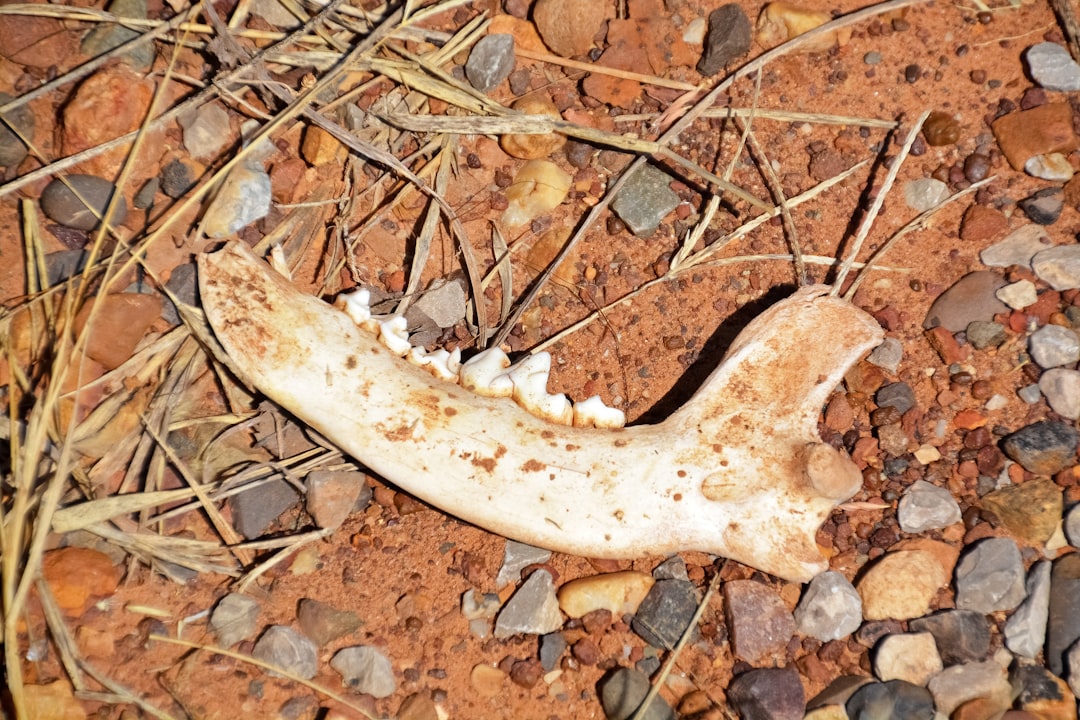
x=440 y=363
x=357 y=305
x=594 y=413
x=484 y=374
x=738 y=471
x=394 y=334
x=530 y=378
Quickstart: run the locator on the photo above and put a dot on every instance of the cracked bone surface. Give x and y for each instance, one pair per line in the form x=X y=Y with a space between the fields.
x=737 y=471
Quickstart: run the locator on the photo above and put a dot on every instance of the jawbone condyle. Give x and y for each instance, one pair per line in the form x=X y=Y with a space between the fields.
x=737 y=471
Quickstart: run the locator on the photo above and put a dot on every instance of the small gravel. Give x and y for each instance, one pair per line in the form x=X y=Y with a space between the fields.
x=490 y=62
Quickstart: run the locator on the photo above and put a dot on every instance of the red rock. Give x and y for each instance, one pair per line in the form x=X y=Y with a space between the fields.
x=1048 y=302
x=54 y=701
x=625 y=52
x=838 y=414
x=983 y=223
x=37 y=42
x=120 y=322
x=78 y=576
x=524 y=32
x=569 y=26
x=759 y=621
x=1044 y=129
x=970 y=419
x=108 y=104
x=945 y=345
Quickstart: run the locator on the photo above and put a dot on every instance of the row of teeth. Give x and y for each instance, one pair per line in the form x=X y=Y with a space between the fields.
x=488 y=373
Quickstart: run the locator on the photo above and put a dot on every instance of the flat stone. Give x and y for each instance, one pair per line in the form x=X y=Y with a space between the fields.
x=1054 y=167
x=1044 y=447
x=244 y=197
x=727 y=39
x=568 y=26
x=1018 y=295
x=287 y=649
x=324 y=623
x=78 y=577
x=970 y=298
x=900 y=585
x=443 y=302
x=897 y=395
x=418 y=706
x=365 y=669
x=12 y=147
x=830 y=608
x=990 y=576
x=983 y=335
x=1018 y=248
x=234 y=618
x=621 y=593
x=532 y=610
x=926 y=507
x=1030 y=511
x=887 y=355
x=254 y=511
x=1063 y=626
x=1040 y=130
x=490 y=62
x=888 y=700
x=907 y=656
x=332 y=495
x=666 y=612
x=768 y=694
x=1043 y=207
x=759 y=622
x=120 y=324
x=1059 y=266
x=1040 y=692
x=1052 y=67
x=1025 y=630
x=206 y=131
x=959 y=684
x=961 y=636
x=924 y=193
x=645 y=200
x=516 y=557
x=81 y=201
x=622 y=692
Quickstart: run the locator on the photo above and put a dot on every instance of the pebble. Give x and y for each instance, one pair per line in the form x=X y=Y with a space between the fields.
x=1053 y=346
x=1052 y=67
x=768 y=694
x=830 y=608
x=234 y=618
x=61 y=202
x=1030 y=394
x=254 y=511
x=479 y=609
x=490 y=62
x=516 y=557
x=443 y=302
x=981 y=223
x=1041 y=693
x=728 y=39
x=897 y=395
x=990 y=576
x=959 y=684
x=907 y=656
x=1030 y=511
x=1025 y=630
x=666 y=612
x=1054 y=167
x=78 y=577
x=1058 y=267
x=1044 y=448
x=1018 y=295
x=1063 y=626
x=206 y=131
x=333 y=494
x=538 y=187
x=120 y=325
x=418 y=706
x=872 y=58
x=926 y=507
x=1044 y=207
x=63 y=264
x=568 y=26
x=287 y=649
x=487 y=680
x=970 y=298
x=324 y=623
x=1018 y=247
x=887 y=355
x=674 y=568
x=624 y=690
x=940 y=128
x=888 y=700
x=108 y=104
x=533 y=609
x=178 y=176
x=1040 y=130
x=983 y=335
x=12 y=148
x=244 y=197
x=107 y=36
x=900 y=585
x=961 y=636
x=779 y=22
x=925 y=193
x=365 y=669
x=645 y=200
x=552 y=646
x=1072 y=525
x=758 y=620
x=621 y=593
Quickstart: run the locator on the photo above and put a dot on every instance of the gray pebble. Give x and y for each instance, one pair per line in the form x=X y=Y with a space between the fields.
x=645 y=200
x=479 y=609
x=830 y=608
x=727 y=39
x=490 y=62
x=872 y=58
x=666 y=612
x=177 y=177
x=924 y=193
x=324 y=623
x=1052 y=67
x=1054 y=346
x=289 y=650
x=107 y=36
x=144 y=199
x=366 y=670
x=244 y=197
x=893 y=699
x=1063 y=626
x=926 y=507
x=961 y=635
x=887 y=355
x=970 y=298
x=956 y=685
x=61 y=265
x=898 y=395
x=12 y=148
x=1025 y=630
x=443 y=302
x=1058 y=267
x=1044 y=447
x=1030 y=394
x=255 y=510
x=990 y=576
x=768 y=694
x=623 y=691
x=516 y=557
x=1018 y=295
x=532 y=610
x=983 y=334
x=332 y=495
x=1072 y=525
x=1045 y=206
x=674 y=568
x=63 y=204
x=234 y=618
x=1018 y=247
x=206 y=131
x=1072 y=661
x=1061 y=388
x=552 y=646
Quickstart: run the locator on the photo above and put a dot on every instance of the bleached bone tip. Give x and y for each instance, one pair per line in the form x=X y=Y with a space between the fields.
x=393 y=333
x=484 y=374
x=440 y=363
x=356 y=304
x=278 y=262
x=831 y=472
x=594 y=413
x=530 y=378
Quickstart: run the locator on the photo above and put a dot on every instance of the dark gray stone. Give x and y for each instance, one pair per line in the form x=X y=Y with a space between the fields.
x=288 y=650
x=1044 y=448
x=177 y=177
x=983 y=334
x=256 y=509
x=234 y=618
x=970 y=298
x=961 y=636
x=892 y=700
x=623 y=691
x=552 y=646
x=63 y=204
x=1045 y=206
x=490 y=62
x=61 y=265
x=1025 y=630
x=532 y=610
x=898 y=395
x=1063 y=627
x=990 y=576
x=107 y=36
x=727 y=39
x=768 y=694
x=674 y=568
x=12 y=148
x=644 y=200
x=665 y=613
x=144 y=199
x=1034 y=684
x=324 y=623
x=183 y=284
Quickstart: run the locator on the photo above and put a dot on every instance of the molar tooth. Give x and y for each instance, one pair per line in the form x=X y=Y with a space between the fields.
x=594 y=413
x=394 y=335
x=530 y=377
x=484 y=374
x=357 y=305
x=440 y=363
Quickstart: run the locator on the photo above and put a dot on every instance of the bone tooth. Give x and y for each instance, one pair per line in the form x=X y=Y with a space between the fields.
x=530 y=377
x=594 y=413
x=278 y=262
x=440 y=363
x=393 y=333
x=356 y=304
x=485 y=374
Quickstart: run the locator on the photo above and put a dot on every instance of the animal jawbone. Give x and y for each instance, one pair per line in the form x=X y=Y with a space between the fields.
x=738 y=471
